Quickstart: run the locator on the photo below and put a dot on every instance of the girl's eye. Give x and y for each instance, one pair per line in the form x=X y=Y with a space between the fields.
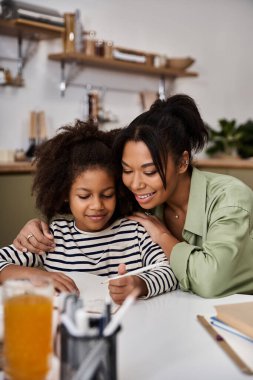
x=83 y=196
x=108 y=196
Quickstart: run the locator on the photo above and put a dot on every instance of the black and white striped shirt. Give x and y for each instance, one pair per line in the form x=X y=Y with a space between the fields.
x=100 y=253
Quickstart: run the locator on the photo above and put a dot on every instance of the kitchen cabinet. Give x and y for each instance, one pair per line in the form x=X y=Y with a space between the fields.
x=17 y=204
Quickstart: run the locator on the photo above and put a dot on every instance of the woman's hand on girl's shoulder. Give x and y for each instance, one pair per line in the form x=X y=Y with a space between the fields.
x=151 y=223
x=34 y=237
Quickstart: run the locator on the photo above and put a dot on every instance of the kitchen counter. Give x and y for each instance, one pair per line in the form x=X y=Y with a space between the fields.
x=226 y=163
x=17 y=167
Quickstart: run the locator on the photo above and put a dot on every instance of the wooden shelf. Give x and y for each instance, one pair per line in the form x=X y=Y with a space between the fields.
x=117 y=65
x=29 y=29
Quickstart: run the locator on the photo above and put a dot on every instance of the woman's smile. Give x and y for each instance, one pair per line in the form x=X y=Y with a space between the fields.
x=141 y=176
x=144 y=198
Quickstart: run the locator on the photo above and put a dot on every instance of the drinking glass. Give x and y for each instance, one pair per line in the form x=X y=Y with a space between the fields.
x=28 y=311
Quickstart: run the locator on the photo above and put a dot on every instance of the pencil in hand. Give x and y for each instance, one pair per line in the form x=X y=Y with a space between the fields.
x=135 y=271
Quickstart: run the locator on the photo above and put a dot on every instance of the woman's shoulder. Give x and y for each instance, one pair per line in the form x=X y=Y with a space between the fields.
x=229 y=190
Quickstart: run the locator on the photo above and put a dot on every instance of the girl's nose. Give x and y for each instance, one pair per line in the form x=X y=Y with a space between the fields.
x=97 y=203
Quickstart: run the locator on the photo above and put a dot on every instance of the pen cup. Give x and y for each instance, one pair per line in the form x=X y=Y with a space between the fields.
x=89 y=357
x=28 y=310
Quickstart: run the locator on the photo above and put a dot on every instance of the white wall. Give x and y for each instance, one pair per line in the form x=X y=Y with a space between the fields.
x=218 y=34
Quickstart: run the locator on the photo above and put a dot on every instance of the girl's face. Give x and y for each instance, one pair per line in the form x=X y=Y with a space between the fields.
x=92 y=199
x=142 y=178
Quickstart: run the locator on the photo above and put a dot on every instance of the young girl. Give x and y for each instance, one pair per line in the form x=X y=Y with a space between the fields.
x=76 y=174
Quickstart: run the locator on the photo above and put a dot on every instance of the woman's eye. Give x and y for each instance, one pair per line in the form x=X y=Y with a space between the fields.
x=125 y=171
x=151 y=173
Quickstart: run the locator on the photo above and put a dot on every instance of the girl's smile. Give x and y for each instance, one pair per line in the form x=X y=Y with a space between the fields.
x=92 y=199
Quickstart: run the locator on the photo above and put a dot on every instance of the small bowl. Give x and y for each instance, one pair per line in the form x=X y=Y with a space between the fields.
x=179 y=63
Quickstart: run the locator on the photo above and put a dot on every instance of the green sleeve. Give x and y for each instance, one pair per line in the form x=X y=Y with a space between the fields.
x=224 y=263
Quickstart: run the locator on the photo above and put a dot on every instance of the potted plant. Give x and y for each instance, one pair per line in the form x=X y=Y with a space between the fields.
x=226 y=141
x=245 y=147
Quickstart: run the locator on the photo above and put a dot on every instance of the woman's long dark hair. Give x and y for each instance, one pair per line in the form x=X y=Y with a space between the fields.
x=169 y=127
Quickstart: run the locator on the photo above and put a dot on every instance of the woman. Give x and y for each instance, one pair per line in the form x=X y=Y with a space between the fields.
x=203 y=220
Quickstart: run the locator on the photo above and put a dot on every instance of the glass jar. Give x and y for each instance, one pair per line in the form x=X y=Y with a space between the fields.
x=90 y=42
x=108 y=49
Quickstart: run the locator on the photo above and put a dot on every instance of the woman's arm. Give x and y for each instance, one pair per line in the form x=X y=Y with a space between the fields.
x=221 y=260
x=34 y=237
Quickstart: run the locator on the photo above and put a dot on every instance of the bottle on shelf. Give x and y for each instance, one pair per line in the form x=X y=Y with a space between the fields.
x=108 y=49
x=79 y=46
x=2 y=76
x=93 y=107
x=90 y=42
x=69 y=33
x=32 y=135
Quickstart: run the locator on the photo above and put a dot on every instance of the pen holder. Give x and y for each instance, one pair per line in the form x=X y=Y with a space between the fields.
x=88 y=357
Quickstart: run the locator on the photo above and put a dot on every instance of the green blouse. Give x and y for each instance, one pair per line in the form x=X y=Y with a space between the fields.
x=216 y=257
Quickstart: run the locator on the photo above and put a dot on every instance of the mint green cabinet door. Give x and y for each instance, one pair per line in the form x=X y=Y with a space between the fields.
x=17 y=205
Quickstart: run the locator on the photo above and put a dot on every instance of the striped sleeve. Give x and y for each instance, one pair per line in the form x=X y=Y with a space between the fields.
x=10 y=255
x=161 y=279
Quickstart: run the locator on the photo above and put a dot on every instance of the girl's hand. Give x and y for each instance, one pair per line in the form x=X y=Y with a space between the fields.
x=63 y=283
x=34 y=237
x=119 y=289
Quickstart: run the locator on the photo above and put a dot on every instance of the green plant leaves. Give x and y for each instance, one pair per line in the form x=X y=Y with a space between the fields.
x=231 y=138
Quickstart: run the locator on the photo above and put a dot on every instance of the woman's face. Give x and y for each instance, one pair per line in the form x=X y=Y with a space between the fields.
x=141 y=177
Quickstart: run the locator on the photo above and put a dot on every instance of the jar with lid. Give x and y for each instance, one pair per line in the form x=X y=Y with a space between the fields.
x=90 y=42
x=99 y=48
x=108 y=49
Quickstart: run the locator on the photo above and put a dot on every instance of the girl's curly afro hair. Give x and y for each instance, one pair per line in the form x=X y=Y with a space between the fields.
x=74 y=149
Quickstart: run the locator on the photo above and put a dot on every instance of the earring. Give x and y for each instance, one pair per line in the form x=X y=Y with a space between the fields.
x=186 y=162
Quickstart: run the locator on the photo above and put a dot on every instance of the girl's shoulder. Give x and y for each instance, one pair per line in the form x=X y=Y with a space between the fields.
x=124 y=223
x=61 y=224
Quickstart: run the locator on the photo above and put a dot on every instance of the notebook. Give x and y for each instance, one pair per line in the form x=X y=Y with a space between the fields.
x=237 y=315
x=93 y=292
x=239 y=349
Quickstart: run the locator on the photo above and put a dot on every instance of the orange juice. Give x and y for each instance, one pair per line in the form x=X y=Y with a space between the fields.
x=27 y=336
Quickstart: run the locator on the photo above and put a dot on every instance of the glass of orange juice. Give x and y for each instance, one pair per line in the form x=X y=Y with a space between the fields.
x=28 y=310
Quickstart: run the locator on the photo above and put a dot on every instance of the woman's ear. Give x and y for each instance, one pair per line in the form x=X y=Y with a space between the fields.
x=184 y=162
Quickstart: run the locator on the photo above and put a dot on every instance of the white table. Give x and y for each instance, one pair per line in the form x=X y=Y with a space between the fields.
x=161 y=339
